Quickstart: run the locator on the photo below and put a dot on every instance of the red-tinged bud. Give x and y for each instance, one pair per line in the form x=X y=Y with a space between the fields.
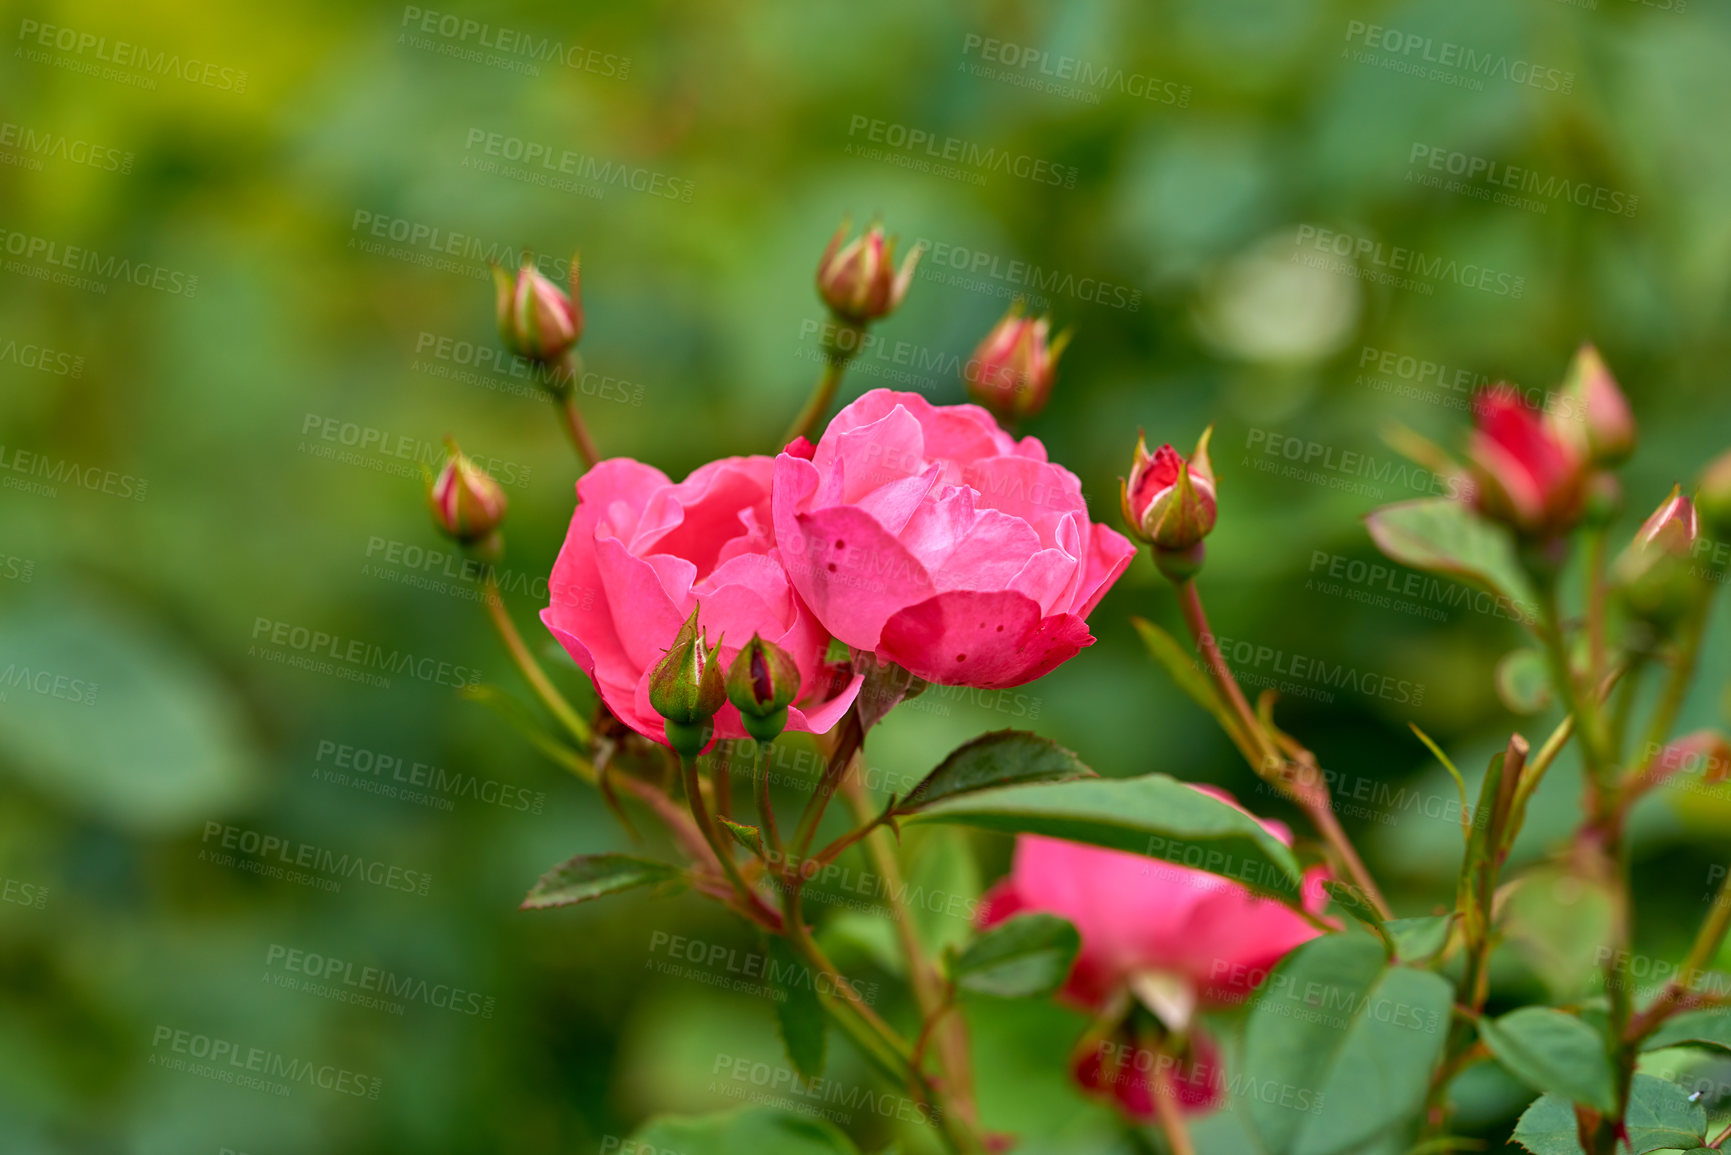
x=1525 y=474
x=1597 y=419
x=1713 y=496
x=1169 y=501
x=1011 y=372
x=536 y=319
x=761 y=683
x=1672 y=527
x=859 y=281
x=467 y=504
x=1704 y=754
x=685 y=687
x=1653 y=574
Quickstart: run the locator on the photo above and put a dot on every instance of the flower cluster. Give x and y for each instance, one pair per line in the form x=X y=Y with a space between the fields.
x=919 y=533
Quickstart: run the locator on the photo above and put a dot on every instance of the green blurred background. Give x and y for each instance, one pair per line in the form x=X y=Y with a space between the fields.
x=242 y=293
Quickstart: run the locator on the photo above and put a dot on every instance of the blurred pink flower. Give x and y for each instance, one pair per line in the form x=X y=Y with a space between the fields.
x=1174 y=938
x=928 y=535
x=641 y=550
x=1528 y=474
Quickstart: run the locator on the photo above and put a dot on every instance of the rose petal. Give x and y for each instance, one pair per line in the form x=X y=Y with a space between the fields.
x=987 y=638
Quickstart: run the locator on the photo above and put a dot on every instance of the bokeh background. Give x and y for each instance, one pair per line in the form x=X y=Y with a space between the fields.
x=243 y=298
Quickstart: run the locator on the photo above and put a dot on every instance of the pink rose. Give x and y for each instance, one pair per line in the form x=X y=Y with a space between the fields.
x=1177 y=938
x=928 y=535
x=641 y=550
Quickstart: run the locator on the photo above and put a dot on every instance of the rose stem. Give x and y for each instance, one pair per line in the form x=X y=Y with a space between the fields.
x=818 y=403
x=526 y=663
x=1314 y=799
x=570 y=369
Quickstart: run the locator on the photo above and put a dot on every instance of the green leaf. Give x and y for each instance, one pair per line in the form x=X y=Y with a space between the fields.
x=1183 y=669
x=1337 y=1026
x=1417 y=940
x=798 y=1011
x=746 y=836
x=1154 y=815
x=1026 y=956
x=867 y=933
x=1001 y=758
x=943 y=887
x=1441 y=535
x=1353 y=901
x=744 y=1131
x=1553 y=1052
x=1548 y=1127
x=1559 y=921
x=590 y=876
x=117 y=719
x=1661 y=1114
x=1523 y=681
x=1693 y=1028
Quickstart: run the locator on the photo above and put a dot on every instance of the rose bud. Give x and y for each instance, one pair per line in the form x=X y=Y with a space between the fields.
x=1598 y=418
x=536 y=319
x=467 y=504
x=1012 y=370
x=761 y=683
x=1653 y=574
x=1713 y=495
x=1525 y=474
x=685 y=688
x=858 y=282
x=1703 y=754
x=1169 y=501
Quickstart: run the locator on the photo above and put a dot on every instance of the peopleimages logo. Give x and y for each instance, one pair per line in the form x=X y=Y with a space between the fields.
x=954 y=150
x=272 y=855
x=42 y=359
x=1486 y=179
x=544 y=163
x=256 y=1068
x=34 y=146
x=305 y=648
x=426 y=243
x=1371 y=260
x=459 y=32
x=1038 y=69
x=1449 y=62
x=122 y=55
x=51 y=260
x=1020 y=278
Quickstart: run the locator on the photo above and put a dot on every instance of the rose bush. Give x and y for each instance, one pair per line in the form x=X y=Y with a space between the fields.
x=930 y=537
x=927 y=538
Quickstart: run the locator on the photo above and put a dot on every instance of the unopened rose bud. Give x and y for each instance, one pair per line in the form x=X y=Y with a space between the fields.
x=1168 y=501
x=1011 y=372
x=1672 y=527
x=685 y=687
x=467 y=505
x=1713 y=496
x=1525 y=474
x=1597 y=418
x=859 y=281
x=1705 y=754
x=1653 y=574
x=536 y=319
x=761 y=683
